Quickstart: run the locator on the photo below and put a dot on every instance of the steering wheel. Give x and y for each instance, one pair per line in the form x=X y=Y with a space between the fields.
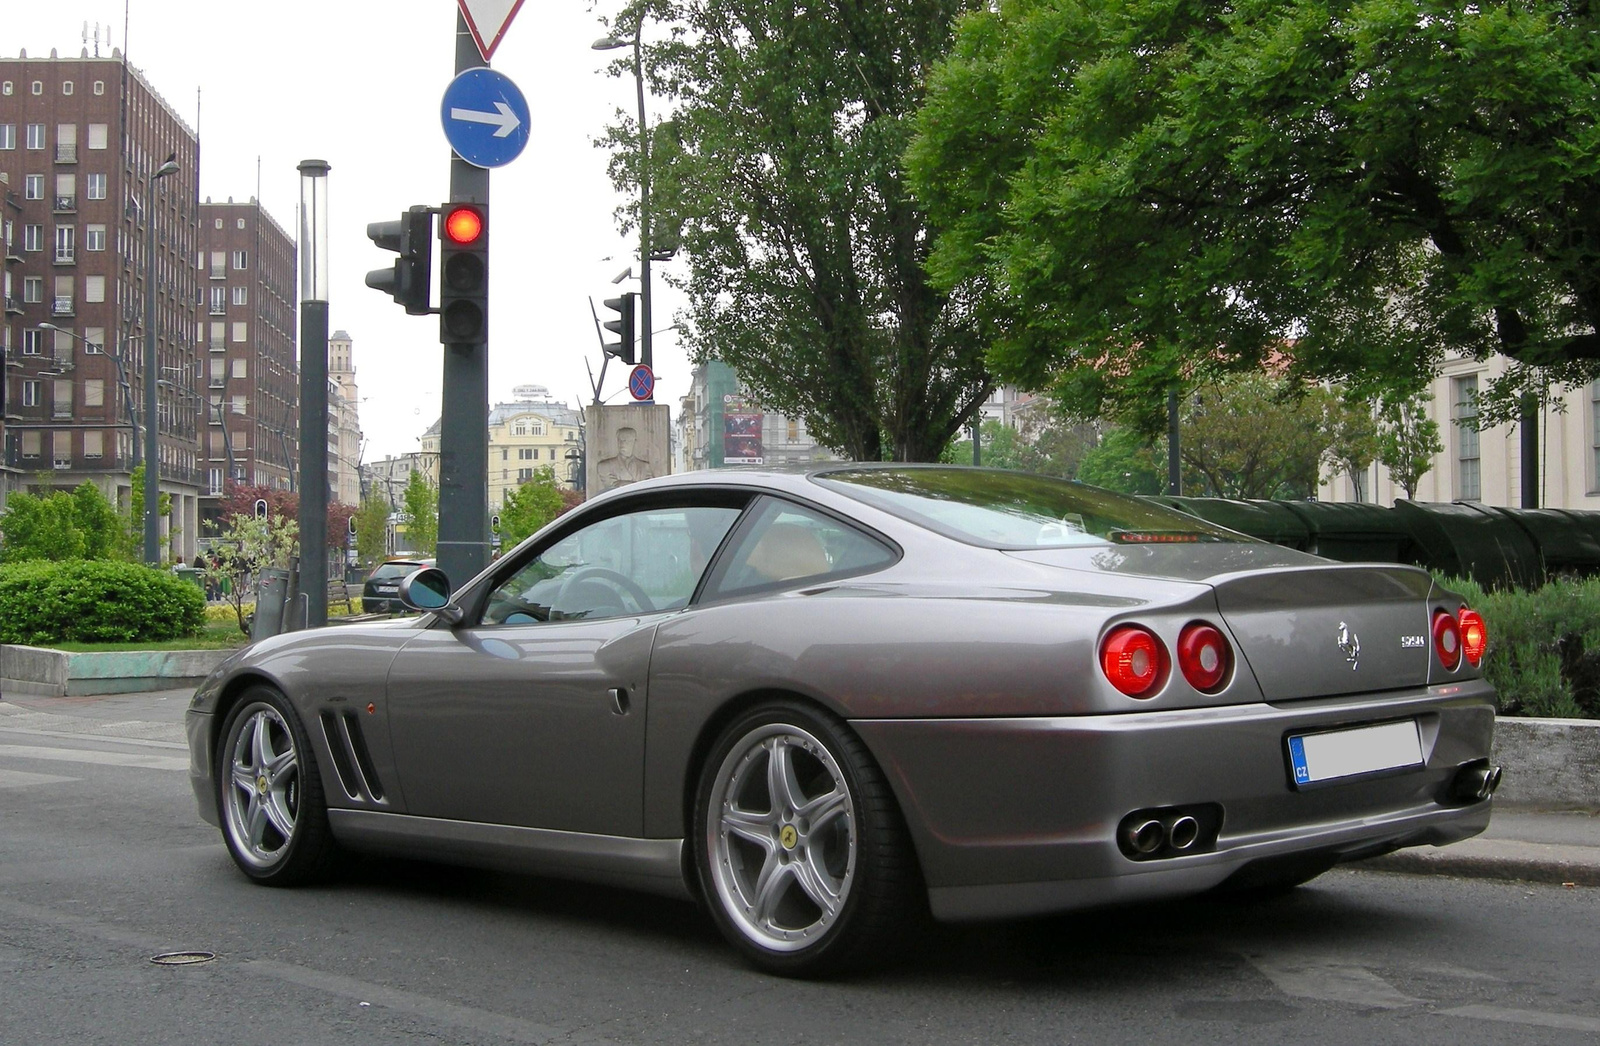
x=621 y=583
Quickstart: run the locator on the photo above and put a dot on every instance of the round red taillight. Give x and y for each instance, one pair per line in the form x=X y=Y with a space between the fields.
x=1134 y=660
x=1203 y=656
x=1474 y=636
x=1447 y=639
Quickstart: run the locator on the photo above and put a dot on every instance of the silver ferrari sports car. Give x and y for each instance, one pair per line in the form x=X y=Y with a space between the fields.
x=823 y=703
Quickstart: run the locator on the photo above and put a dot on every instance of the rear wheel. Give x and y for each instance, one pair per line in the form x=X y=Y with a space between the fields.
x=274 y=818
x=803 y=857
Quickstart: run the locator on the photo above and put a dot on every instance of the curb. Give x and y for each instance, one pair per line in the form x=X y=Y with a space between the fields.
x=1494 y=859
x=57 y=673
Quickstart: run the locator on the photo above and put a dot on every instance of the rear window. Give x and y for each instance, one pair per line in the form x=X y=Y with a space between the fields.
x=394 y=570
x=1016 y=510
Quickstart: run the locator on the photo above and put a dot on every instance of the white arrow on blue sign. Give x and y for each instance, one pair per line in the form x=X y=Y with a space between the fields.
x=485 y=118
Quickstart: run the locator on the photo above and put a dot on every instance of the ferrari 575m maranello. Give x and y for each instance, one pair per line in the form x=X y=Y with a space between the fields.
x=826 y=702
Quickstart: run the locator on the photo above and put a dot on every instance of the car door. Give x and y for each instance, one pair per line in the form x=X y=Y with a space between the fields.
x=531 y=712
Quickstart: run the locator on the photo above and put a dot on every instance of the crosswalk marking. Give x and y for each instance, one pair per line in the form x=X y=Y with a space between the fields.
x=80 y=755
x=21 y=779
x=1535 y=1018
x=1330 y=980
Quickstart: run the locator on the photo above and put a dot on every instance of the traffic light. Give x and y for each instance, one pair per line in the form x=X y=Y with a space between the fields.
x=261 y=508
x=464 y=274
x=622 y=327
x=409 y=280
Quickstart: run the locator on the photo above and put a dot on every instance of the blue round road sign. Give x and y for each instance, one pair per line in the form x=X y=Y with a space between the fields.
x=485 y=118
x=641 y=383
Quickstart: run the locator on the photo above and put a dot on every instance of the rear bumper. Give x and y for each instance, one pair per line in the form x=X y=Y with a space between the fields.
x=1018 y=816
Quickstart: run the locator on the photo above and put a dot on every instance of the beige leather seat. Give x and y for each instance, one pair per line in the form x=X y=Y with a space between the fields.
x=788 y=550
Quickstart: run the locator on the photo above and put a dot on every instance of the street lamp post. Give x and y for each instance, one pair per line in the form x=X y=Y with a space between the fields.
x=314 y=390
x=122 y=383
x=152 y=441
x=611 y=43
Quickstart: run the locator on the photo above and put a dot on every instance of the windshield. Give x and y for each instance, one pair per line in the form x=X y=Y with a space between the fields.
x=1016 y=510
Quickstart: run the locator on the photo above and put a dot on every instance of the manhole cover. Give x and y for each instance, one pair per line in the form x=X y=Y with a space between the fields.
x=182 y=958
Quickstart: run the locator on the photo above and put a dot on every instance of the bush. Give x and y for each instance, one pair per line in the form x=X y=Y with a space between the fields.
x=1544 y=646
x=95 y=602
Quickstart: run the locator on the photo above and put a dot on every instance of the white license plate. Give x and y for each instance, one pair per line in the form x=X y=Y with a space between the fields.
x=1335 y=754
x=385 y=590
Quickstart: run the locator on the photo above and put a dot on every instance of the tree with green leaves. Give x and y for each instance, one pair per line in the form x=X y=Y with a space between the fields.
x=1250 y=436
x=1141 y=193
x=530 y=506
x=781 y=179
x=419 y=513
x=1126 y=460
x=62 y=525
x=1407 y=440
x=1352 y=437
x=372 y=530
x=245 y=547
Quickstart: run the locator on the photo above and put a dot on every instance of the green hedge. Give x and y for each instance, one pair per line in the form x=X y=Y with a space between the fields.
x=1544 y=646
x=102 y=601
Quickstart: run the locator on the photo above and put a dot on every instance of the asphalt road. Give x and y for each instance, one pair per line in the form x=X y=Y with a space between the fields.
x=104 y=864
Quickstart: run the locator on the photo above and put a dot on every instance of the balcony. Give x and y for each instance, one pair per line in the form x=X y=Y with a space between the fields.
x=66 y=204
x=13 y=306
x=66 y=257
x=62 y=307
x=219 y=310
x=66 y=152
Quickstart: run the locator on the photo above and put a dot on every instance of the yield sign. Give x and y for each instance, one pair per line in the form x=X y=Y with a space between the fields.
x=488 y=20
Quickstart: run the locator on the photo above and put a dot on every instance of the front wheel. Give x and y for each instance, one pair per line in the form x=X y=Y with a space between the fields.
x=803 y=857
x=274 y=818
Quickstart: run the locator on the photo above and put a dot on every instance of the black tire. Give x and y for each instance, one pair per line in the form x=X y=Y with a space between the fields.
x=856 y=845
x=276 y=825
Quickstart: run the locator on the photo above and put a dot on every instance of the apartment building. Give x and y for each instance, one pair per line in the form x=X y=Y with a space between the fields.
x=83 y=146
x=245 y=265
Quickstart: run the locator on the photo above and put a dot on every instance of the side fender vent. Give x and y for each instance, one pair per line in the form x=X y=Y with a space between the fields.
x=351 y=759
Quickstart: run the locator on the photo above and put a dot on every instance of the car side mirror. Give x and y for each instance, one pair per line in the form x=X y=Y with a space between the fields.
x=428 y=590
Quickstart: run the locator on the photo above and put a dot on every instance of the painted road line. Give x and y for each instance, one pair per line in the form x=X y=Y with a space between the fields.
x=1331 y=980
x=83 y=735
x=1534 y=1018
x=20 y=779
x=80 y=755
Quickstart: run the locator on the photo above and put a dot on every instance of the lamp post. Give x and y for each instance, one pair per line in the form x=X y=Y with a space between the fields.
x=314 y=390
x=122 y=383
x=611 y=43
x=152 y=441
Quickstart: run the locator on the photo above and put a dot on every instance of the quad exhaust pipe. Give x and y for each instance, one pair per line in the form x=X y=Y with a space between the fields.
x=1143 y=836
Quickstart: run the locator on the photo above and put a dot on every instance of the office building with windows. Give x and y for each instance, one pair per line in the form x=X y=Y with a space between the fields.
x=81 y=142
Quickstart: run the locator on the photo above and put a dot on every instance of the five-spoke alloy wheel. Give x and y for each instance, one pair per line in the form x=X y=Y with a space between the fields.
x=802 y=855
x=269 y=793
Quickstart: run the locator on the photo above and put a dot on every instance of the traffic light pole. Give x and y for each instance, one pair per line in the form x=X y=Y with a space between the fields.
x=464 y=417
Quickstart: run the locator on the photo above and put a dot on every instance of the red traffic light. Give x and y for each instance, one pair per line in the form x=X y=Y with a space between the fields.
x=463 y=225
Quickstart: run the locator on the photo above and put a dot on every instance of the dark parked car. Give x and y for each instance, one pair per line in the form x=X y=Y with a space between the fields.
x=381 y=592
x=820 y=702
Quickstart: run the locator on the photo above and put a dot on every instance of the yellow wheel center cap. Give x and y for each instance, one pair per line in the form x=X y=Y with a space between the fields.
x=788 y=837
x=261 y=784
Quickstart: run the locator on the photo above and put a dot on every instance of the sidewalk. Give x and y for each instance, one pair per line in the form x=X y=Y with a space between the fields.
x=1531 y=845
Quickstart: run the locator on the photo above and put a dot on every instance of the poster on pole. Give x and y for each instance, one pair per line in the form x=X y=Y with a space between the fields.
x=741 y=432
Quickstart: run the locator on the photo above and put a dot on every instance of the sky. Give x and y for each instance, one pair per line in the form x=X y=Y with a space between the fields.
x=358 y=83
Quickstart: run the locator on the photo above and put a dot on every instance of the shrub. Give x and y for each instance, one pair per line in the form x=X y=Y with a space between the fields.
x=95 y=602
x=1544 y=646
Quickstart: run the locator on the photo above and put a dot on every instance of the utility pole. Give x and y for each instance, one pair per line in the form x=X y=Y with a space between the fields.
x=314 y=390
x=464 y=415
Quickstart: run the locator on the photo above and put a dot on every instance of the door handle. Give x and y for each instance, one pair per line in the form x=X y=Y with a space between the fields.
x=619 y=700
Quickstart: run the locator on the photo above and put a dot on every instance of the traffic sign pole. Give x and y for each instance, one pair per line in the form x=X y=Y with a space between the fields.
x=464 y=418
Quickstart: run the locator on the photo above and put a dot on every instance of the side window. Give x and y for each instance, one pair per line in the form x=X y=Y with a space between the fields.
x=788 y=544
x=630 y=564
